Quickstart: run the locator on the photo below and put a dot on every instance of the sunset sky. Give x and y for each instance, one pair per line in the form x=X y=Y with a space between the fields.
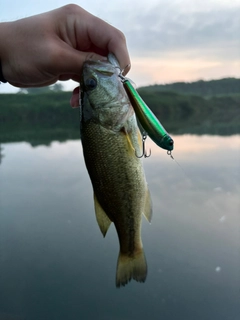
x=168 y=41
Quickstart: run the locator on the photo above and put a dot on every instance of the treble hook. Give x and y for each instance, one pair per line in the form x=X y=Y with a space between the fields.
x=144 y=137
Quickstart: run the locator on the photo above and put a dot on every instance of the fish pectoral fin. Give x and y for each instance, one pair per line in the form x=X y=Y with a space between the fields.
x=129 y=141
x=148 y=207
x=134 y=139
x=101 y=216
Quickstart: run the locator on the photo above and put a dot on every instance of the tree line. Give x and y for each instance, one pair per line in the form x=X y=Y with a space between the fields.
x=221 y=87
x=34 y=116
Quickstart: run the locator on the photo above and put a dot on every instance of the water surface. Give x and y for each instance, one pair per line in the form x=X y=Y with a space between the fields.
x=55 y=264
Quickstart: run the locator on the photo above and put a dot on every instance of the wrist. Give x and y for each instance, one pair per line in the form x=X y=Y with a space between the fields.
x=4 y=38
x=2 y=79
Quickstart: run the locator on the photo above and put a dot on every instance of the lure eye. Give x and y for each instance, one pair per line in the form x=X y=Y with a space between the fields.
x=91 y=84
x=171 y=142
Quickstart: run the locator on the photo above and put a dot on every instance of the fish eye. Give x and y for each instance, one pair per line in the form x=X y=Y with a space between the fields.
x=91 y=83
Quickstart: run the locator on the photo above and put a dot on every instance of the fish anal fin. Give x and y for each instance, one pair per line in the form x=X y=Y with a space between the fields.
x=131 y=267
x=147 y=212
x=102 y=218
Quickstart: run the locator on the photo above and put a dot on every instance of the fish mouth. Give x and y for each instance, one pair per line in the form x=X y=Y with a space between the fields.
x=100 y=66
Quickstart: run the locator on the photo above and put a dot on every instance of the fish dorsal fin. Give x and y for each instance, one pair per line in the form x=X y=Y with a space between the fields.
x=148 y=207
x=102 y=218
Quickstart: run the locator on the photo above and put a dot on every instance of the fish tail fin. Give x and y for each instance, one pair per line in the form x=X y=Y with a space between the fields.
x=131 y=267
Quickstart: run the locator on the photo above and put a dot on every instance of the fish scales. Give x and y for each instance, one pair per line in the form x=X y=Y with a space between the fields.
x=120 y=189
x=110 y=139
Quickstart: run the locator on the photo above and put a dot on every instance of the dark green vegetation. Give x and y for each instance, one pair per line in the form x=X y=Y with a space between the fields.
x=222 y=87
x=203 y=107
x=38 y=118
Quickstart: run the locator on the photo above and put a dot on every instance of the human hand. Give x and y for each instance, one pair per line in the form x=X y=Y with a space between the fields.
x=39 y=50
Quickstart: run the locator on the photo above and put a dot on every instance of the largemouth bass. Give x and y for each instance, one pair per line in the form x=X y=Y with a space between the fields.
x=110 y=139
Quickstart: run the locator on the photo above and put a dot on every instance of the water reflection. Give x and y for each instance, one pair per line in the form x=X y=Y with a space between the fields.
x=1 y=153
x=54 y=263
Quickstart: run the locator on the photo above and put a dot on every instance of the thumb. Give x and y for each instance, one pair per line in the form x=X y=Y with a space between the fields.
x=70 y=61
x=74 y=101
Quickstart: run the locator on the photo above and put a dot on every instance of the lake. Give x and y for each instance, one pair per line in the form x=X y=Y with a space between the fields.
x=55 y=264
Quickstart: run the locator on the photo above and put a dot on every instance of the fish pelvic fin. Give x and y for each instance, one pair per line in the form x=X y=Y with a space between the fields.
x=148 y=207
x=102 y=218
x=131 y=267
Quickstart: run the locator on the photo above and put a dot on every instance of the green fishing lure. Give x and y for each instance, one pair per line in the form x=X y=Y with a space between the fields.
x=147 y=119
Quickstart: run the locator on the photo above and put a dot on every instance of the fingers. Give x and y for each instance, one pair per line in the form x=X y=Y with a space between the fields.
x=118 y=46
x=108 y=38
x=74 y=101
x=32 y=84
x=88 y=33
x=66 y=62
x=95 y=35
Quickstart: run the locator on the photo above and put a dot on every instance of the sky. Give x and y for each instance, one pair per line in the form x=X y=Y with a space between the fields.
x=168 y=41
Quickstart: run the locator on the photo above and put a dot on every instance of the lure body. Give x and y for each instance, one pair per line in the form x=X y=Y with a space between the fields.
x=147 y=119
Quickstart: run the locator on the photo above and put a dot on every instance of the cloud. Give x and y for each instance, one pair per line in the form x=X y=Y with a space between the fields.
x=215 y=32
x=177 y=40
